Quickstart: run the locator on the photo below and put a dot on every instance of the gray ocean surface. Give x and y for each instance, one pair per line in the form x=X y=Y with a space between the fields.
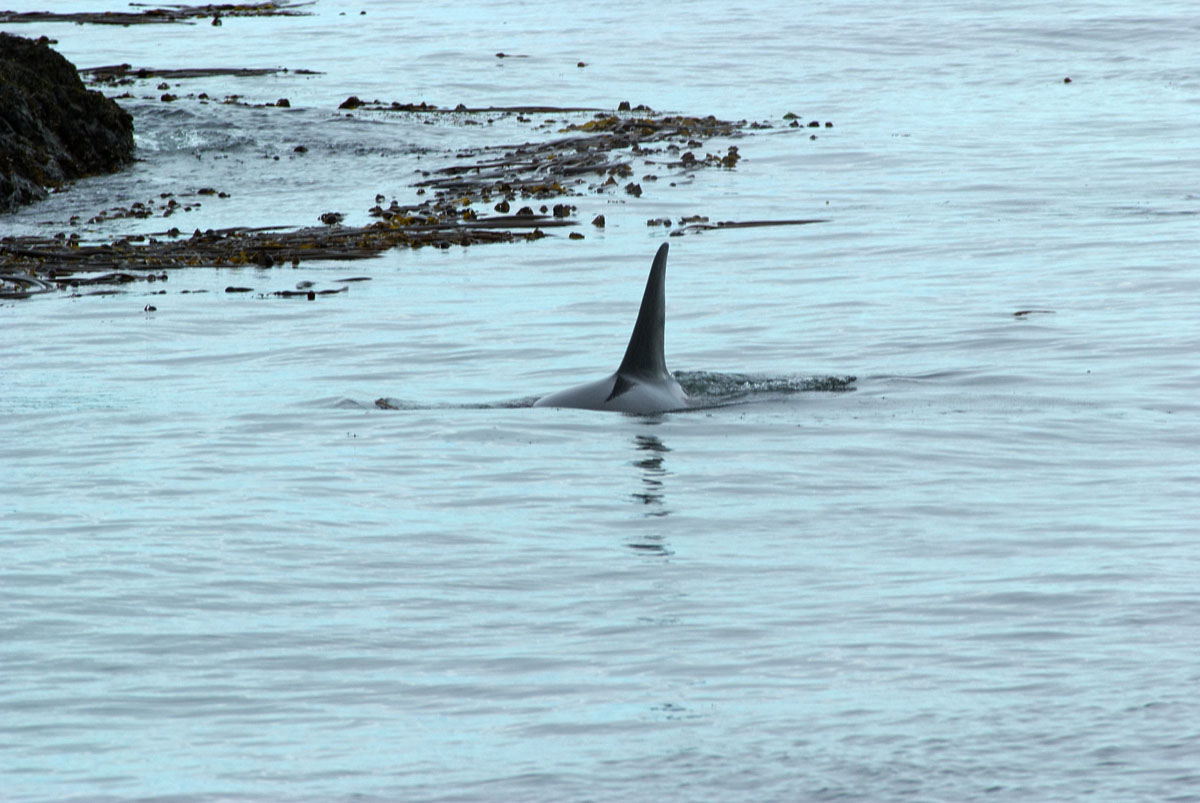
x=225 y=575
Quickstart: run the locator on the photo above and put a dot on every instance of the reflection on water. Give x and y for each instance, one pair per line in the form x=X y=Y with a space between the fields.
x=649 y=460
x=652 y=473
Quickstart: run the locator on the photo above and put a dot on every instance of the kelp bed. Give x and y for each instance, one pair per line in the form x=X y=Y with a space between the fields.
x=489 y=194
x=185 y=14
x=121 y=74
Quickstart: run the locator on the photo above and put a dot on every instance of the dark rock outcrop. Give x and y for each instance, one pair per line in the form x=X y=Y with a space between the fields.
x=52 y=128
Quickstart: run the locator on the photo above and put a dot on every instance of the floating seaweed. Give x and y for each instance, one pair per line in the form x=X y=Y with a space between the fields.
x=120 y=74
x=184 y=14
x=23 y=285
x=600 y=149
x=702 y=224
x=594 y=156
x=40 y=259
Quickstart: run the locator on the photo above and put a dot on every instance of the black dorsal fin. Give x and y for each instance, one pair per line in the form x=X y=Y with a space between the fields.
x=644 y=354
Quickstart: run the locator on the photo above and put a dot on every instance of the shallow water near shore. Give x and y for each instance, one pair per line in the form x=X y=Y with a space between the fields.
x=227 y=574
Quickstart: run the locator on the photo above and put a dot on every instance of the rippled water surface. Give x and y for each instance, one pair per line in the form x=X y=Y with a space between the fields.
x=226 y=574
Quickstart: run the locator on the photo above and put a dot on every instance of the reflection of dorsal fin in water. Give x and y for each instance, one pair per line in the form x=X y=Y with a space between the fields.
x=642 y=384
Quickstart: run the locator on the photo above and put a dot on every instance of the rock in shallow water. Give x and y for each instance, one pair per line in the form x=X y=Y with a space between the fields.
x=52 y=128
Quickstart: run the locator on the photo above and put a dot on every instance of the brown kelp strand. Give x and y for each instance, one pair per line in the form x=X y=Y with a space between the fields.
x=160 y=15
x=263 y=247
x=699 y=226
x=122 y=74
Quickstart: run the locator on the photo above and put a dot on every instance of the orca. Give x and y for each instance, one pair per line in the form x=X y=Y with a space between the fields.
x=642 y=384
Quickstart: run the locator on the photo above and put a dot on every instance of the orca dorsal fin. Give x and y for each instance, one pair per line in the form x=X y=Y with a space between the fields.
x=644 y=354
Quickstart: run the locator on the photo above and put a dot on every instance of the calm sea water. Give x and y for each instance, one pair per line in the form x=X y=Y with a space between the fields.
x=225 y=575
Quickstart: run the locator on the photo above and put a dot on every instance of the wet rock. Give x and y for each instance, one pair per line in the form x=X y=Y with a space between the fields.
x=52 y=128
x=598 y=221
x=351 y=102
